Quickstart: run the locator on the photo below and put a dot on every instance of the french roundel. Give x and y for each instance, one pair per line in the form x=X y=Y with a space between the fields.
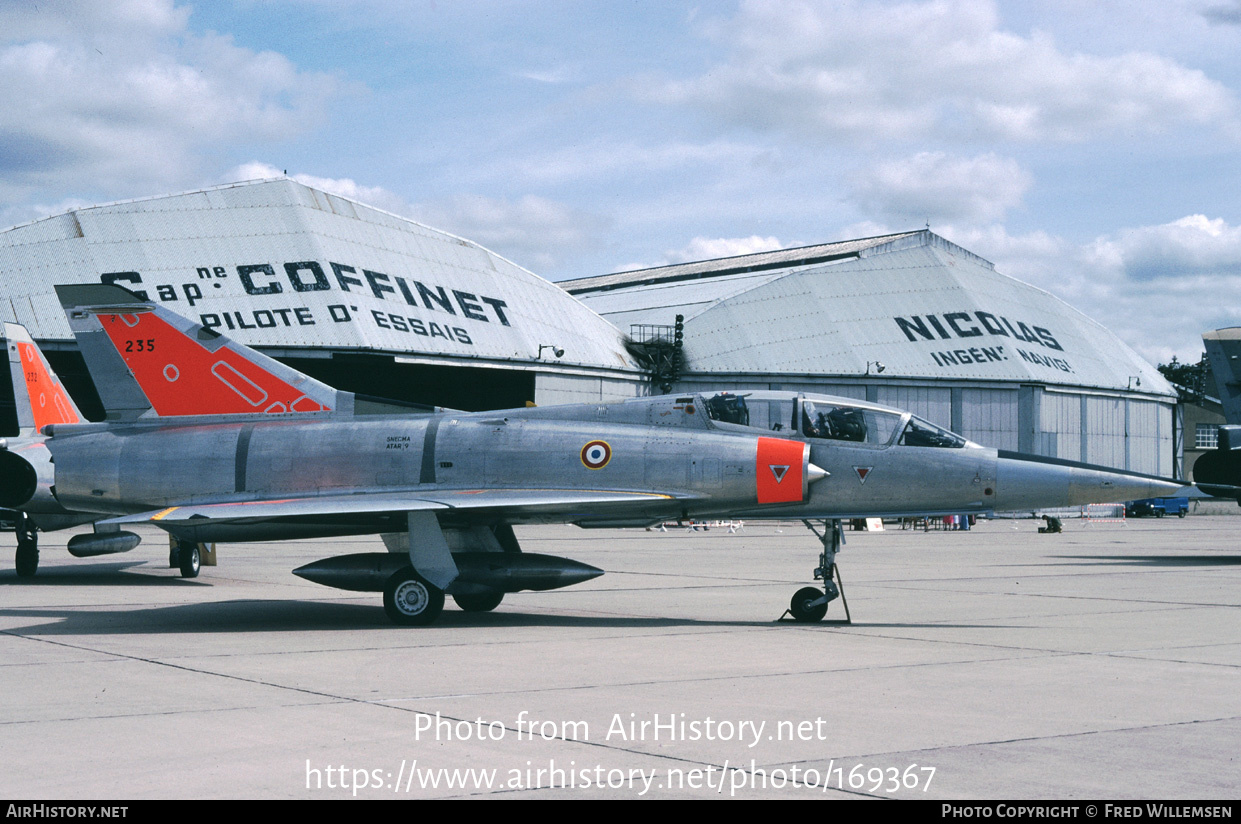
x=596 y=454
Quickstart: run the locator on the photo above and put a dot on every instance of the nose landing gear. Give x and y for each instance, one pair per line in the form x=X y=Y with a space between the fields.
x=809 y=604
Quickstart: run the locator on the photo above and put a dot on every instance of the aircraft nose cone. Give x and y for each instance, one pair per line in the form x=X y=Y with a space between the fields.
x=1036 y=482
x=815 y=473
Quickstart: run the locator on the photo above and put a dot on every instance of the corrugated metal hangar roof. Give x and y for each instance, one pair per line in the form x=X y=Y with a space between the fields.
x=920 y=305
x=286 y=267
x=782 y=259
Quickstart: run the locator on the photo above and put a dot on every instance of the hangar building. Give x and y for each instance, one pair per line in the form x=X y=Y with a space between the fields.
x=910 y=320
x=361 y=299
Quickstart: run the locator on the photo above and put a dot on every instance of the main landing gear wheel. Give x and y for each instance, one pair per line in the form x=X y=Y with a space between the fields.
x=27 y=559
x=412 y=601
x=800 y=607
x=188 y=559
x=479 y=601
x=27 y=548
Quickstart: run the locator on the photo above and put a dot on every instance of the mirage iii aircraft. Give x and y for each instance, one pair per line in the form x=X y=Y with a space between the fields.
x=213 y=442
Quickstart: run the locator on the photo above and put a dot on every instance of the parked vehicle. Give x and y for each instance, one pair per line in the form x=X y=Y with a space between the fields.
x=1157 y=507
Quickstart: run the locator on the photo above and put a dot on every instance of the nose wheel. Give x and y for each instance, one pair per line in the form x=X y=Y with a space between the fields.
x=809 y=604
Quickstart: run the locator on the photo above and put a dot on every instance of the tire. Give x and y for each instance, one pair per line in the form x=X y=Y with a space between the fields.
x=800 y=607
x=27 y=559
x=1181 y=514
x=479 y=601
x=412 y=601
x=189 y=560
x=1158 y=513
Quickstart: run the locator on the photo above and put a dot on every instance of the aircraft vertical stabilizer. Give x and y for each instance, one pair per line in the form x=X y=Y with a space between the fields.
x=38 y=394
x=1218 y=472
x=1223 y=348
x=147 y=361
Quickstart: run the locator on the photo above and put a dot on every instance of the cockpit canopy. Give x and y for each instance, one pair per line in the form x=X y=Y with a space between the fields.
x=728 y=408
x=828 y=419
x=839 y=422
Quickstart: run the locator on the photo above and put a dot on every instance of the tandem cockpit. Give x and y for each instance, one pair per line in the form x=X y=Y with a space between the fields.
x=823 y=418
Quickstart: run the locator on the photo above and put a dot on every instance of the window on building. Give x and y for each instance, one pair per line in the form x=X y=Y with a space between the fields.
x=1207 y=436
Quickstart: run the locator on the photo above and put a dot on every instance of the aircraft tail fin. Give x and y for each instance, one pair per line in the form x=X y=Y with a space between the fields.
x=1224 y=352
x=147 y=361
x=39 y=395
x=1218 y=472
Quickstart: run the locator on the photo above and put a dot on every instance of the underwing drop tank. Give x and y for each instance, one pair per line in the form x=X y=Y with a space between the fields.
x=102 y=543
x=495 y=571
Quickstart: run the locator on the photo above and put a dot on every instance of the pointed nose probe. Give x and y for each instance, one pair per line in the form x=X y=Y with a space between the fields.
x=1036 y=482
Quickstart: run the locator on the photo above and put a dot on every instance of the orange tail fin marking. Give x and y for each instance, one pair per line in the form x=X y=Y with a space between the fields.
x=48 y=400
x=180 y=377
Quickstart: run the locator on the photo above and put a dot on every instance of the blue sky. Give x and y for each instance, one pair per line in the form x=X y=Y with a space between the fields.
x=1088 y=148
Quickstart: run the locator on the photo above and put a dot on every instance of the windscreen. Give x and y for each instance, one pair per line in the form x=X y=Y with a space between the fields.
x=923 y=433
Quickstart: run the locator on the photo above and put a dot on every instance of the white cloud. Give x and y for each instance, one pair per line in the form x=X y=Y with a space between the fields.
x=865 y=228
x=1192 y=246
x=124 y=98
x=554 y=75
x=704 y=248
x=606 y=159
x=937 y=187
x=905 y=70
x=534 y=232
x=139 y=20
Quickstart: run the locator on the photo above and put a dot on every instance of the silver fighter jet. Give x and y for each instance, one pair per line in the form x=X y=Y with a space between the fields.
x=214 y=442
